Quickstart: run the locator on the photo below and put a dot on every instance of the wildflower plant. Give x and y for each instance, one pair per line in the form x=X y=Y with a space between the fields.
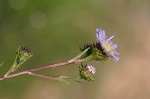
x=100 y=50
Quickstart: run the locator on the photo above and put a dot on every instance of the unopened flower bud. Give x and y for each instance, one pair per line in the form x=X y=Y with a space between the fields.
x=87 y=71
x=22 y=55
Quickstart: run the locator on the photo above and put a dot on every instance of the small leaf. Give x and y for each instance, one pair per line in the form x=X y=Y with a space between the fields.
x=80 y=55
x=1 y=64
x=59 y=78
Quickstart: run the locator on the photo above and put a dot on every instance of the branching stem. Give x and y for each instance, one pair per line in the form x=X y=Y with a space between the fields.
x=41 y=68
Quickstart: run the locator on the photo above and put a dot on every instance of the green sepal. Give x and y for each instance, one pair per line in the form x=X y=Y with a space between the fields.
x=95 y=52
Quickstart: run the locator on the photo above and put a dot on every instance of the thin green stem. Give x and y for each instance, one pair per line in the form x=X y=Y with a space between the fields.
x=11 y=69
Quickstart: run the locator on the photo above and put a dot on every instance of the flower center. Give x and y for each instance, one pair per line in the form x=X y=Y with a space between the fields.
x=107 y=46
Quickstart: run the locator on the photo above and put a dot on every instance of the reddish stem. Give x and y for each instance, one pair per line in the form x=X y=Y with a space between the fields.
x=40 y=68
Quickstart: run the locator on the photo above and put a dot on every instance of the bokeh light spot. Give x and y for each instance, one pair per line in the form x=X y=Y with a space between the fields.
x=38 y=19
x=17 y=4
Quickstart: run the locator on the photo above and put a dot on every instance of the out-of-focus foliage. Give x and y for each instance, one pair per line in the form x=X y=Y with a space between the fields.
x=54 y=30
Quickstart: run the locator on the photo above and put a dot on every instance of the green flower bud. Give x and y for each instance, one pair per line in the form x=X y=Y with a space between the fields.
x=22 y=55
x=95 y=52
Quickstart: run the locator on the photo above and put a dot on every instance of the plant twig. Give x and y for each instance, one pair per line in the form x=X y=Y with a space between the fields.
x=41 y=68
x=59 y=78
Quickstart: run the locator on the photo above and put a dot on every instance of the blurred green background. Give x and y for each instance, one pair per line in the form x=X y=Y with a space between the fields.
x=54 y=30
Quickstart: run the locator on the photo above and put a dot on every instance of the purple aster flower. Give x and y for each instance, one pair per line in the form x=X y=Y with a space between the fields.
x=107 y=44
